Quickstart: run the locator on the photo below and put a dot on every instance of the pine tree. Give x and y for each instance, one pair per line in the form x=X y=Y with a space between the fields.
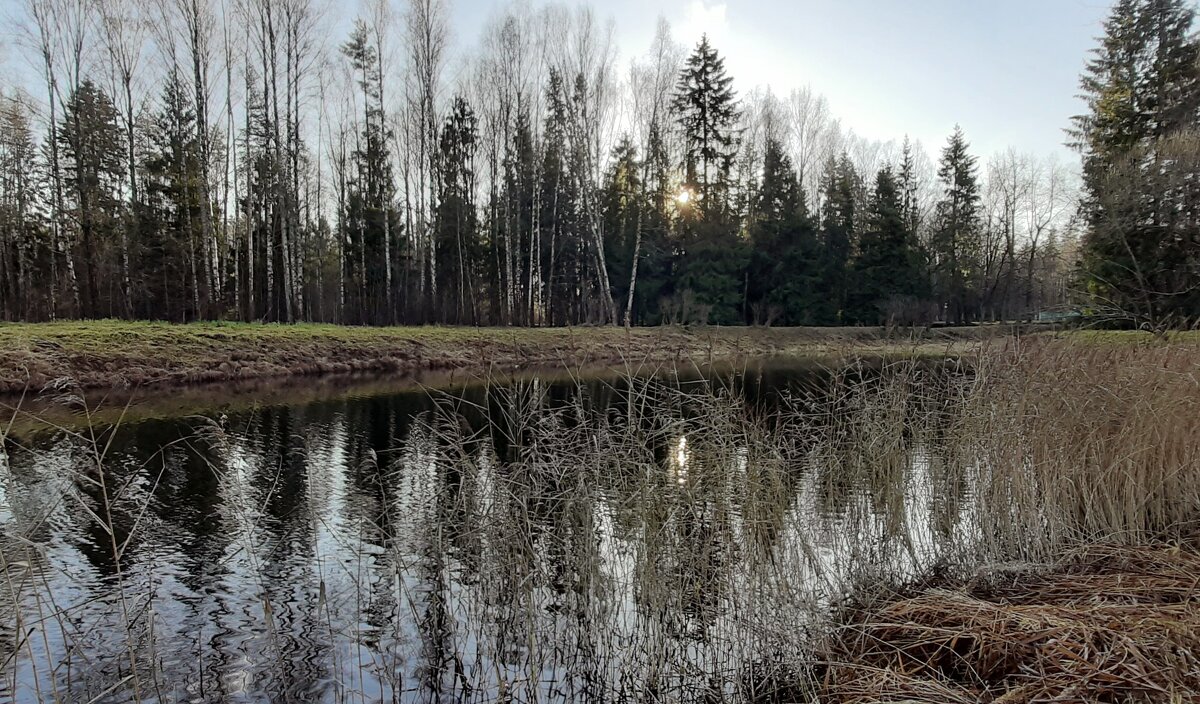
x=955 y=240
x=1141 y=252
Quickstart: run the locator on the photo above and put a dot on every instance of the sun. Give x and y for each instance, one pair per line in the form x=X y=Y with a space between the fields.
x=686 y=196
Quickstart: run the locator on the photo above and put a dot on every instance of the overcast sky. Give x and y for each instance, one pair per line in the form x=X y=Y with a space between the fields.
x=1006 y=70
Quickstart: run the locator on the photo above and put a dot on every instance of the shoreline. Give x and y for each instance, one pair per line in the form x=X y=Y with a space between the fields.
x=147 y=356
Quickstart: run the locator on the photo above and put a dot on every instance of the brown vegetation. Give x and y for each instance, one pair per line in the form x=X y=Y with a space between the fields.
x=1108 y=624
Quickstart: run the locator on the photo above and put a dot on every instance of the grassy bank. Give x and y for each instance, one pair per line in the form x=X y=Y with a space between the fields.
x=107 y=353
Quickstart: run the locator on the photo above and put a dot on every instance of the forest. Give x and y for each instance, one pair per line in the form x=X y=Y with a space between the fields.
x=228 y=160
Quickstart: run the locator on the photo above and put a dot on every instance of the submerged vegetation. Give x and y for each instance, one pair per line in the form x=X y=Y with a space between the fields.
x=738 y=539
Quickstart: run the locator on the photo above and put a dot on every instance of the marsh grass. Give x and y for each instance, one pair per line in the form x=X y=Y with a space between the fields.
x=641 y=539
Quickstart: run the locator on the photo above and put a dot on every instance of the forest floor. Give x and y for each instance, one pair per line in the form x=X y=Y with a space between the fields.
x=108 y=354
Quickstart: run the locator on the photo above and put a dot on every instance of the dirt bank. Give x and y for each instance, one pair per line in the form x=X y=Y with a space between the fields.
x=115 y=354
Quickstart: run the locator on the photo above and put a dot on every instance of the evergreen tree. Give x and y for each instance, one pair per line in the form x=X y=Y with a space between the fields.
x=624 y=212
x=370 y=221
x=24 y=251
x=169 y=228
x=458 y=247
x=517 y=227
x=560 y=219
x=955 y=240
x=92 y=143
x=1141 y=252
x=887 y=269
x=784 y=272
x=712 y=255
x=656 y=277
x=909 y=183
x=707 y=112
x=839 y=220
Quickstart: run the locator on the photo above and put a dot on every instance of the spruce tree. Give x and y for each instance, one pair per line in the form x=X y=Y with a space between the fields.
x=839 y=217
x=24 y=248
x=458 y=247
x=784 y=271
x=623 y=211
x=909 y=183
x=370 y=221
x=707 y=113
x=656 y=275
x=887 y=272
x=169 y=228
x=1141 y=251
x=92 y=145
x=712 y=255
x=560 y=220
x=955 y=239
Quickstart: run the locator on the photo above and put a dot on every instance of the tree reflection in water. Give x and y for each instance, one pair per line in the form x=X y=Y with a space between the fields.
x=638 y=539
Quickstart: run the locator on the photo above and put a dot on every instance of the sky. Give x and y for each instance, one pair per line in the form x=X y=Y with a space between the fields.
x=1007 y=71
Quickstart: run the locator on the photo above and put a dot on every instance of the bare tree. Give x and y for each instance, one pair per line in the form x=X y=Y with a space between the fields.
x=815 y=137
x=650 y=85
x=123 y=30
x=428 y=32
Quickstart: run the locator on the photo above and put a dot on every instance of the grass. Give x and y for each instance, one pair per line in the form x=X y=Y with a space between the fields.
x=1015 y=529
x=1104 y=624
x=107 y=353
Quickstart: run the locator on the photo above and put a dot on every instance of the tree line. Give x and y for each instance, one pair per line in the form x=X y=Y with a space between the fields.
x=223 y=159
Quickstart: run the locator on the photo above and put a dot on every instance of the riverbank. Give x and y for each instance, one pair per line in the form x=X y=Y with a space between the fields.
x=118 y=354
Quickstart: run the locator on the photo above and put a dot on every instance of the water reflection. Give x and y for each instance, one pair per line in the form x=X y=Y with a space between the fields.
x=527 y=542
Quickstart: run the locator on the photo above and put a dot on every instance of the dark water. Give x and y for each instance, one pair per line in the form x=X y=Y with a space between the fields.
x=614 y=539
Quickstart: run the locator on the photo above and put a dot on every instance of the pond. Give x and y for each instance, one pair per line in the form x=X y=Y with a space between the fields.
x=662 y=537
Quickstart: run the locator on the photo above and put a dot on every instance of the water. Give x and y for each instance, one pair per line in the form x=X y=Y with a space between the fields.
x=612 y=539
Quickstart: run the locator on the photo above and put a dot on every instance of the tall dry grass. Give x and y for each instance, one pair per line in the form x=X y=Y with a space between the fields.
x=1072 y=443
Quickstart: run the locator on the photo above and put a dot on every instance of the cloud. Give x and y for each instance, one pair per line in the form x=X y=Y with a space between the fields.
x=703 y=18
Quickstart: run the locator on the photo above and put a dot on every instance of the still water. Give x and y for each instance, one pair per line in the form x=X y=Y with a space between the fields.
x=610 y=539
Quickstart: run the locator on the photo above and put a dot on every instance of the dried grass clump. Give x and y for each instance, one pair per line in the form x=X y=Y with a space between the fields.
x=1108 y=624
